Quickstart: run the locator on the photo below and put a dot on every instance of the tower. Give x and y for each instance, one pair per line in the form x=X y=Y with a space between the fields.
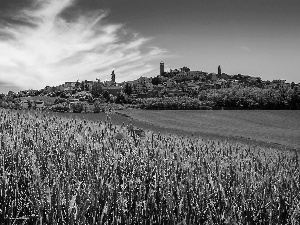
x=162 y=68
x=219 y=70
x=113 y=77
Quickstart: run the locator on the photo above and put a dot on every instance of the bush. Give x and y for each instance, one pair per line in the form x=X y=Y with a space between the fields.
x=187 y=103
x=77 y=107
x=60 y=108
x=253 y=98
x=4 y=104
x=121 y=98
x=60 y=101
x=97 y=108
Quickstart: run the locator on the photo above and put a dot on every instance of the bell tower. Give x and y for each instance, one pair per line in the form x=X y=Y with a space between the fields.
x=162 y=68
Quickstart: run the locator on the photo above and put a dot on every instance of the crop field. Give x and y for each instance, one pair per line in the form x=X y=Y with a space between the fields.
x=57 y=170
x=276 y=127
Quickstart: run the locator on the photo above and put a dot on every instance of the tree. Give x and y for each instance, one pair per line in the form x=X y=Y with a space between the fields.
x=77 y=85
x=128 y=89
x=60 y=101
x=4 y=104
x=86 y=86
x=82 y=86
x=106 y=96
x=58 y=93
x=121 y=98
x=156 y=81
x=77 y=107
x=268 y=82
x=63 y=95
x=259 y=80
x=194 y=93
x=97 y=90
x=295 y=100
x=97 y=107
x=292 y=85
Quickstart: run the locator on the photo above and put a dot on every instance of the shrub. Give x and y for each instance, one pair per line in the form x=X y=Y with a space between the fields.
x=253 y=98
x=4 y=104
x=60 y=101
x=172 y=103
x=77 y=107
x=97 y=107
x=60 y=108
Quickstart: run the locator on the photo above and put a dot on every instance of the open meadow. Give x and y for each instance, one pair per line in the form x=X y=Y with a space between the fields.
x=279 y=128
x=57 y=170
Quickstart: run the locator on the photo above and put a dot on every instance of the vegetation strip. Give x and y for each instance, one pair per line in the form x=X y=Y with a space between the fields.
x=71 y=171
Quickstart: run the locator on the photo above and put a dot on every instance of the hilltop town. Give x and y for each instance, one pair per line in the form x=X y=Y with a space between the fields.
x=177 y=83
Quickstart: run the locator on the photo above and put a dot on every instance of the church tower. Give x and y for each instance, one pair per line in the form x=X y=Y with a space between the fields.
x=219 y=70
x=162 y=68
x=113 y=77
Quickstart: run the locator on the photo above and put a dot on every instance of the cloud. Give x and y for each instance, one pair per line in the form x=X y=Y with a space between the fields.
x=46 y=48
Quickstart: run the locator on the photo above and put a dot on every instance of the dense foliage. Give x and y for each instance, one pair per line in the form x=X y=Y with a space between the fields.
x=234 y=98
x=97 y=107
x=173 y=103
x=77 y=107
x=278 y=97
x=63 y=171
x=253 y=98
x=61 y=107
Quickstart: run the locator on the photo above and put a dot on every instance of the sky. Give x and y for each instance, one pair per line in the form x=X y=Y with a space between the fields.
x=48 y=42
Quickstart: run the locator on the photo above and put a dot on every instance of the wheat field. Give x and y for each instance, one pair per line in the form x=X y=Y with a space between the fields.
x=70 y=171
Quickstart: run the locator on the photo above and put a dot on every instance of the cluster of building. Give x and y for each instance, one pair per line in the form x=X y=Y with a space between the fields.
x=181 y=81
x=87 y=85
x=173 y=83
x=187 y=80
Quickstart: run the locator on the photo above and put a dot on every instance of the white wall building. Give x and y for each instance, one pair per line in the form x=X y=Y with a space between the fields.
x=143 y=80
x=139 y=87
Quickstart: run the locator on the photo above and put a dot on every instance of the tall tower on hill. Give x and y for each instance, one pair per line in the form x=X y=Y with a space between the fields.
x=219 y=70
x=162 y=68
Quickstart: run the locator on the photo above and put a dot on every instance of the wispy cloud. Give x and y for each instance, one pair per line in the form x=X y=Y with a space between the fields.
x=47 y=49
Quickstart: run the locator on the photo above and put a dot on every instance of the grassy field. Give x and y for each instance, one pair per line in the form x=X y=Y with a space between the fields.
x=60 y=170
x=278 y=127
